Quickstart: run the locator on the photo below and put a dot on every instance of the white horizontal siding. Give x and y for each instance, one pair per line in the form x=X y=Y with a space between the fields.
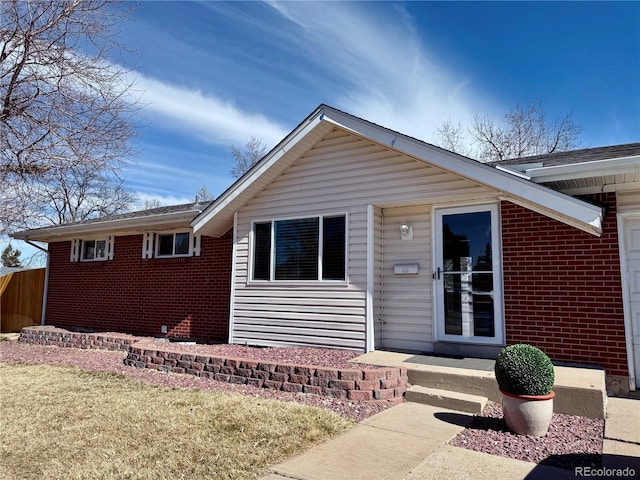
x=407 y=312
x=341 y=173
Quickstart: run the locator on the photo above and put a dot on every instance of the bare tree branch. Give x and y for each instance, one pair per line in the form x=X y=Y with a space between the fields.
x=204 y=195
x=246 y=158
x=67 y=115
x=452 y=138
x=522 y=132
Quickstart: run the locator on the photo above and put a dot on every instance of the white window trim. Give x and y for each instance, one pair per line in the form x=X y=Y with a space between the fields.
x=151 y=244
x=77 y=248
x=319 y=281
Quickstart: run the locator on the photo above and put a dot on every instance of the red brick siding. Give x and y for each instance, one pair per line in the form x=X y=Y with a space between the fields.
x=133 y=295
x=562 y=287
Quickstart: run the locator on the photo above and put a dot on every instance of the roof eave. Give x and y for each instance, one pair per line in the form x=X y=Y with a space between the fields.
x=596 y=168
x=580 y=214
x=61 y=232
x=218 y=217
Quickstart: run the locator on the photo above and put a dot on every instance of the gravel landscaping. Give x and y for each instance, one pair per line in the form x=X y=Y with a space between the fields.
x=105 y=361
x=571 y=441
x=319 y=357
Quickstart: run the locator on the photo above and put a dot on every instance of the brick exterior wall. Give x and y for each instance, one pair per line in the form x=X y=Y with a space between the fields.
x=562 y=287
x=134 y=295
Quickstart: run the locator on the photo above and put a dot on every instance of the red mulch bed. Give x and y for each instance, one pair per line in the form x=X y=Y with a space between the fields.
x=572 y=441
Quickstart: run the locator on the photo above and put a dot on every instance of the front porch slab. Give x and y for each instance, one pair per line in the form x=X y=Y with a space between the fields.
x=579 y=391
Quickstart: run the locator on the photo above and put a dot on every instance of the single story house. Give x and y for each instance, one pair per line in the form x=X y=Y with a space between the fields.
x=350 y=235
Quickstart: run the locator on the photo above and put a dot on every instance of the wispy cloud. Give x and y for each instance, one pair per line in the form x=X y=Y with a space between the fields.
x=392 y=77
x=145 y=200
x=379 y=65
x=207 y=118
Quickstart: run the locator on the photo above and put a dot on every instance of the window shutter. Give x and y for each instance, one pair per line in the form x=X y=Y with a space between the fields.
x=75 y=250
x=147 y=244
x=196 y=245
x=110 y=246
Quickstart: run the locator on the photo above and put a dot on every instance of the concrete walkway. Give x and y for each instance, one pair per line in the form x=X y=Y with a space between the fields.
x=409 y=442
x=622 y=434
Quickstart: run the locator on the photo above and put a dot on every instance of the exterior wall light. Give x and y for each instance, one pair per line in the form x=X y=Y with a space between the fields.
x=406 y=231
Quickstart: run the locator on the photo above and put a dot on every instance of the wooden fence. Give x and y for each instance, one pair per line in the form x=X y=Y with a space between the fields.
x=21 y=299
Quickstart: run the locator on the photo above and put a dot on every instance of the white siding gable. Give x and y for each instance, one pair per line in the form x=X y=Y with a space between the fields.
x=341 y=173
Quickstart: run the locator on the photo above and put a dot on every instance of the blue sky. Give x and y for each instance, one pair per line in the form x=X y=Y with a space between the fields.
x=215 y=73
x=212 y=74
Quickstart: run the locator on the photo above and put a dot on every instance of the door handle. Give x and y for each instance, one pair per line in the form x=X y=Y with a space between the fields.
x=436 y=274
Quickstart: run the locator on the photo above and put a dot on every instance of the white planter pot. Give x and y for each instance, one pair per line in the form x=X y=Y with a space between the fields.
x=526 y=414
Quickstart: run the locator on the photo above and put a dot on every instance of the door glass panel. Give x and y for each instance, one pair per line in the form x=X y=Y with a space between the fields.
x=467 y=241
x=483 y=316
x=468 y=304
x=467 y=275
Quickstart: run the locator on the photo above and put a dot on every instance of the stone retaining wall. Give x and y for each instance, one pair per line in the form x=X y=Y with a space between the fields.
x=48 y=335
x=356 y=384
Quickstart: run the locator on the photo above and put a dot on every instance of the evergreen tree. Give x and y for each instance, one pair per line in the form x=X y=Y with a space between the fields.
x=11 y=257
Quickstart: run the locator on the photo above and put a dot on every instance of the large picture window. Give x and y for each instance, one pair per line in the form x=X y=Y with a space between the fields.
x=311 y=248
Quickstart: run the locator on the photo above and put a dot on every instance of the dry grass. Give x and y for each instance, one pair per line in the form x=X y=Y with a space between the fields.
x=61 y=422
x=4 y=337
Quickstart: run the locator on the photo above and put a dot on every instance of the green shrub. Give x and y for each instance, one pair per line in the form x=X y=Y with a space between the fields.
x=524 y=370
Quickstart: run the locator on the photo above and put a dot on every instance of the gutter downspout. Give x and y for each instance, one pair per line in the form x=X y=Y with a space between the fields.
x=46 y=279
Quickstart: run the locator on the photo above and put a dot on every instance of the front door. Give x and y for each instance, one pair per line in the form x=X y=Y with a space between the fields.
x=468 y=275
x=632 y=247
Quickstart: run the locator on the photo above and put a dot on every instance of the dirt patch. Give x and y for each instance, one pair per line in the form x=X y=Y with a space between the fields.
x=572 y=441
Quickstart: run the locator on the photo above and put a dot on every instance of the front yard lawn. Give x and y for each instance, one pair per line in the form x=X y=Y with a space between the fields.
x=64 y=422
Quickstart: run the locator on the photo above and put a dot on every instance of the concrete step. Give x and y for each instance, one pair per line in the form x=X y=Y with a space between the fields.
x=579 y=391
x=462 y=402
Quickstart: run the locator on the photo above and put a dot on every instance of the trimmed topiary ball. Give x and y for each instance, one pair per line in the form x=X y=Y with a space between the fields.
x=524 y=370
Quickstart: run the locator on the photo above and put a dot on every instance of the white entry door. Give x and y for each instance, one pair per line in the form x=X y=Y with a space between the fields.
x=632 y=247
x=468 y=276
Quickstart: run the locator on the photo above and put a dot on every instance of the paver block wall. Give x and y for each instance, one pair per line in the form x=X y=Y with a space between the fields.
x=384 y=384
x=134 y=295
x=46 y=335
x=356 y=384
x=562 y=287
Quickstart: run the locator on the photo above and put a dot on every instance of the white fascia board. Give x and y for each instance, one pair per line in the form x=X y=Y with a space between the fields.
x=512 y=172
x=564 y=208
x=60 y=232
x=597 y=168
x=241 y=190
